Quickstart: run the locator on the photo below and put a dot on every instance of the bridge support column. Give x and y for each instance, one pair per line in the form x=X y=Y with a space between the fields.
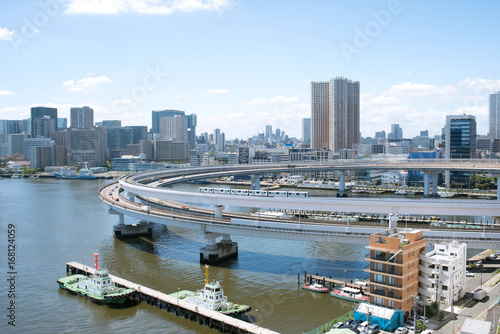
x=215 y=251
x=498 y=184
x=427 y=182
x=341 y=192
x=122 y=230
x=218 y=209
x=130 y=196
x=255 y=182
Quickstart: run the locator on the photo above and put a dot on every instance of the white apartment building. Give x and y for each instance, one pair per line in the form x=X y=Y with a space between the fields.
x=394 y=177
x=442 y=273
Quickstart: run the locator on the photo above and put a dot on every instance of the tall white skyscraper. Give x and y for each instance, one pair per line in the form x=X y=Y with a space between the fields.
x=495 y=115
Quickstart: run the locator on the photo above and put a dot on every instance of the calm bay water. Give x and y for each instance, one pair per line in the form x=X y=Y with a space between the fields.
x=58 y=221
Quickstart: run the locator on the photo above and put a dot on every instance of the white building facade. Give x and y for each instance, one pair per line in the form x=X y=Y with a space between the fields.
x=442 y=273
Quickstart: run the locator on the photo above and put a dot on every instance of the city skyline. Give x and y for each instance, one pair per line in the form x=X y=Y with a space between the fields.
x=212 y=59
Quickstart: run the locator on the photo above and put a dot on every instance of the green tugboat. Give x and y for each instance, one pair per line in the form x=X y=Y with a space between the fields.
x=212 y=297
x=99 y=288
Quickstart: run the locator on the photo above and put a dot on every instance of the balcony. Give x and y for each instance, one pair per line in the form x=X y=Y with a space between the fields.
x=379 y=292
x=395 y=285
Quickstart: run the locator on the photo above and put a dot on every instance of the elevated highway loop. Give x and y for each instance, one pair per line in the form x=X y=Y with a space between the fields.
x=289 y=230
x=147 y=185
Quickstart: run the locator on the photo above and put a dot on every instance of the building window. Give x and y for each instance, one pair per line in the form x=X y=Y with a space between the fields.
x=378 y=278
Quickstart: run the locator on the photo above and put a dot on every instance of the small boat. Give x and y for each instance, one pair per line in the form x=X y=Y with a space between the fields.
x=446 y=194
x=99 y=287
x=316 y=287
x=84 y=174
x=16 y=176
x=212 y=297
x=351 y=294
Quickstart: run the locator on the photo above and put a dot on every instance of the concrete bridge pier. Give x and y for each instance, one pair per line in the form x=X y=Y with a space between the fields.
x=255 y=182
x=432 y=183
x=498 y=184
x=218 y=209
x=341 y=192
x=130 y=196
x=214 y=251
x=122 y=230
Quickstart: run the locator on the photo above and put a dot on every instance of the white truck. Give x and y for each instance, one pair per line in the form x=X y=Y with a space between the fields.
x=479 y=294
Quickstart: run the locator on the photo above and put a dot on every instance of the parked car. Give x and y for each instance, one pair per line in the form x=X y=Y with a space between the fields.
x=401 y=330
x=355 y=324
x=347 y=323
x=469 y=274
x=373 y=329
x=363 y=326
x=338 y=324
x=424 y=319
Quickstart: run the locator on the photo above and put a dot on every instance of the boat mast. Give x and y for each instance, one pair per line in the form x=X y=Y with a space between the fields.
x=206 y=274
x=95 y=255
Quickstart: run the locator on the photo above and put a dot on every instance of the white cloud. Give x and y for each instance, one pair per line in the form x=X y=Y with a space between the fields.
x=415 y=89
x=6 y=34
x=481 y=84
x=6 y=92
x=87 y=84
x=254 y=102
x=217 y=91
x=143 y=6
x=385 y=100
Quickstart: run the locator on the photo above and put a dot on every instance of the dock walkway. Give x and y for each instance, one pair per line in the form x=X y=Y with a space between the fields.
x=212 y=319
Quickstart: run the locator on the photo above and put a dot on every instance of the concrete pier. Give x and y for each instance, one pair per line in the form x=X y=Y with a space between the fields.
x=201 y=315
x=122 y=230
x=215 y=252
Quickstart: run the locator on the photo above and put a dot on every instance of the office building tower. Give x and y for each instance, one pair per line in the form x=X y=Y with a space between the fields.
x=39 y=112
x=192 y=123
x=16 y=143
x=380 y=134
x=157 y=114
x=219 y=139
x=306 y=130
x=495 y=115
x=146 y=147
x=87 y=146
x=277 y=135
x=174 y=128
x=321 y=117
x=110 y=124
x=4 y=131
x=26 y=125
x=42 y=157
x=269 y=132
x=396 y=132
x=424 y=133
x=44 y=126
x=30 y=143
x=119 y=138
x=139 y=132
x=82 y=118
x=62 y=124
x=460 y=144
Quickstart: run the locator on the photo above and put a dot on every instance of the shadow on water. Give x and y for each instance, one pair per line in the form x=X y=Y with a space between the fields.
x=169 y=245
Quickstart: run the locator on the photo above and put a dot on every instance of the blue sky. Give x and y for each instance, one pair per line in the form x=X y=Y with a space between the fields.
x=241 y=64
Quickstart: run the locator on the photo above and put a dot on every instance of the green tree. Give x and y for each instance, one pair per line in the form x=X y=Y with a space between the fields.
x=420 y=326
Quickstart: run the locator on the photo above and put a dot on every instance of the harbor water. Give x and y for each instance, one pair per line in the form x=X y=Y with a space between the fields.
x=57 y=221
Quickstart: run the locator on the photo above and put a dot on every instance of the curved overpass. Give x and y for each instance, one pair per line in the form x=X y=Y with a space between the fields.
x=147 y=185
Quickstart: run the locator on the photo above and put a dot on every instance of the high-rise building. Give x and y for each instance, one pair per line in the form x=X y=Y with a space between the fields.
x=39 y=112
x=192 y=123
x=139 y=132
x=110 y=124
x=380 y=134
x=62 y=124
x=321 y=116
x=82 y=118
x=157 y=114
x=174 y=128
x=344 y=98
x=30 y=143
x=335 y=114
x=495 y=115
x=189 y=121
x=396 y=132
x=460 y=144
x=306 y=130
x=87 y=146
x=269 y=133
x=44 y=126
x=16 y=143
